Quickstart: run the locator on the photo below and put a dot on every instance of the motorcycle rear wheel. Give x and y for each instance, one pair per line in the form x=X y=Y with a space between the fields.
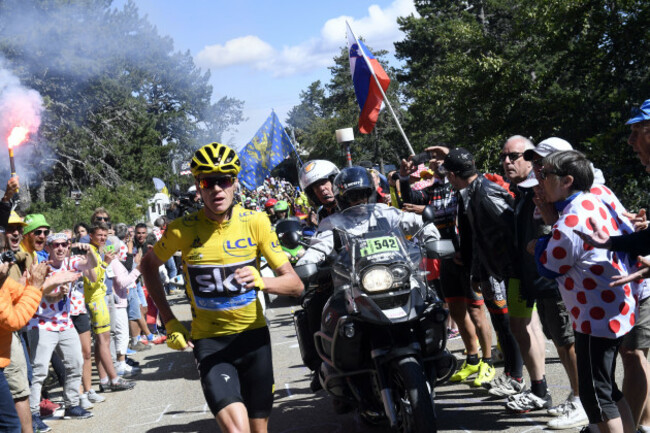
x=413 y=402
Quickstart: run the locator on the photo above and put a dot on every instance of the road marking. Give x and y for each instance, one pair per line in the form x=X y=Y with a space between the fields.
x=151 y=422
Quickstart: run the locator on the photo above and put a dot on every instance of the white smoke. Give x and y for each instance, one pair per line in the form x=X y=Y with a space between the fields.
x=19 y=106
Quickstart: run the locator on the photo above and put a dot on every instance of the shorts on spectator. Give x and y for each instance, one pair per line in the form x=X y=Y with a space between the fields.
x=456 y=286
x=133 y=308
x=100 y=319
x=16 y=371
x=639 y=336
x=517 y=305
x=81 y=323
x=555 y=320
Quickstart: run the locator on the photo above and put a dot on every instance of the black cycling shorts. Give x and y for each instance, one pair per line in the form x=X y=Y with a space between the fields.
x=237 y=368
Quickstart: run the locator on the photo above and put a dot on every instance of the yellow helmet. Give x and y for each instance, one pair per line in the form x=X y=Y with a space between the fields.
x=215 y=158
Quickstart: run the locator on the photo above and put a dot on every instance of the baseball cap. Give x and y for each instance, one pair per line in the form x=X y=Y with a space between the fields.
x=639 y=114
x=546 y=147
x=459 y=161
x=543 y=149
x=34 y=221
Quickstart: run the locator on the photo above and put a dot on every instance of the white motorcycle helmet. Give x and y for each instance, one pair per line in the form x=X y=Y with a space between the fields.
x=314 y=171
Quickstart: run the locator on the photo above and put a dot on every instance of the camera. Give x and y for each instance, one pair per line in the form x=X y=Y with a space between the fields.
x=421 y=158
x=7 y=257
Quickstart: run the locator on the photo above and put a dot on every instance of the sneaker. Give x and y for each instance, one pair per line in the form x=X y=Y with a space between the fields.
x=76 y=412
x=93 y=397
x=574 y=416
x=527 y=401
x=38 y=424
x=125 y=370
x=486 y=373
x=143 y=339
x=132 y=363
x=159 y=339
x=130 y=351
x=47 y=408
x=84 y=402
x=560 y=408
x=150 y=337
x=452 y=334
x=122 y=385
x=140 y=346
x=465 y=371
x=506 y=386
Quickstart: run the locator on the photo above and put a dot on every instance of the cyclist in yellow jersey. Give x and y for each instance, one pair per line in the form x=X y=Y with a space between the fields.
x=221 y=246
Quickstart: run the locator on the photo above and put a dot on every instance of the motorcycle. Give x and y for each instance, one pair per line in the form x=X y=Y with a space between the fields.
x=292 y=240
x=383 y=330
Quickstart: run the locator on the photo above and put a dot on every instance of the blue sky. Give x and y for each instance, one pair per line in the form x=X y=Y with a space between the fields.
x=265 y=53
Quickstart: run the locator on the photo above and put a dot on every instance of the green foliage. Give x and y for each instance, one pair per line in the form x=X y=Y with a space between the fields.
x=127 y=204
x=479 y=71
x=121 y=106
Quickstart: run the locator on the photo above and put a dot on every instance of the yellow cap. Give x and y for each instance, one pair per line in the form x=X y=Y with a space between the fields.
x=15 y=219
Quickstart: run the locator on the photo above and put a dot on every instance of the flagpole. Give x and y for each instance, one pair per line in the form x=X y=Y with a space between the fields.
x=293 y=139
x=390 y=108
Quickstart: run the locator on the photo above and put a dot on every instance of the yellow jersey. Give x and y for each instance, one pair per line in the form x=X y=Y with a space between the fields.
x=95 y=291
x=211 y=252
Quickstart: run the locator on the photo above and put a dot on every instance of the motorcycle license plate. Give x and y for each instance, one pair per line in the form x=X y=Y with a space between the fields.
x=379 y=245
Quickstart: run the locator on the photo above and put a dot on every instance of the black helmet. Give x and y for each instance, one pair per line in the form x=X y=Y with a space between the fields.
x=352 y=183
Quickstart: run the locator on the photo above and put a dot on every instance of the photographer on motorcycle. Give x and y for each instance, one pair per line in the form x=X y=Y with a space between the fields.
x=352 y=186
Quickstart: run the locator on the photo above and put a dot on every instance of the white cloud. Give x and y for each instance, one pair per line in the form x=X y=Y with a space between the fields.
x=379 y=28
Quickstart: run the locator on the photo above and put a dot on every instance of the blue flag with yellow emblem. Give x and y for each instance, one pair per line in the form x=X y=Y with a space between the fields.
x=269 y=147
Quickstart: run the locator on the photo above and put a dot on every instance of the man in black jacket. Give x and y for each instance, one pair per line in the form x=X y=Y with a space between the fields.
x=485 y=225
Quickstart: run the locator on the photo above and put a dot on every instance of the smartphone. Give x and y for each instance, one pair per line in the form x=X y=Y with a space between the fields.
x=109 y=248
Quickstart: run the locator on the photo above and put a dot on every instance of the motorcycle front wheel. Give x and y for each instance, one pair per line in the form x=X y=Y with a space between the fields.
x=413 y=402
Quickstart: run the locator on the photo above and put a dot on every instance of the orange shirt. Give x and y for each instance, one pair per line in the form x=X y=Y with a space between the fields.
x=18 y=304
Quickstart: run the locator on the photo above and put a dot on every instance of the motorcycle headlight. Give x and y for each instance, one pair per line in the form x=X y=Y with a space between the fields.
x=377 y=279
x=399 y=272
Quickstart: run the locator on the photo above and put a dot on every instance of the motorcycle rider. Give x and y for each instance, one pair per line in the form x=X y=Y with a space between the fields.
x=315 y=180
x=354 y=186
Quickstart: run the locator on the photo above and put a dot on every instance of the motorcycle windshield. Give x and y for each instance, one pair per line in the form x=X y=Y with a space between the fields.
x=371 y=234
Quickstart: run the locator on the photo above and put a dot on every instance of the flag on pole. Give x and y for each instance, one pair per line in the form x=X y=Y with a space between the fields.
x=369 y=96
x=269 y=147
x=160 y=186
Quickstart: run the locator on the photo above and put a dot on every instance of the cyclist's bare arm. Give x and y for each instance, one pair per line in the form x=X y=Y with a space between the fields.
x=149 y=269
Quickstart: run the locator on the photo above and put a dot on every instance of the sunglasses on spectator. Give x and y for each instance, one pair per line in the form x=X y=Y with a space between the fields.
x=512 y=155
x=41 y=232
x=60 y=245
x=98 y=218
x=543 y=174
x=222 y=182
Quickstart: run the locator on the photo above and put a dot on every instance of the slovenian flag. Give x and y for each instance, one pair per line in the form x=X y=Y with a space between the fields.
x=368 y=93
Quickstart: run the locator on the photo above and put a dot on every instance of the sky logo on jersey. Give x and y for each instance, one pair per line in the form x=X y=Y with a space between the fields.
x=238 y=248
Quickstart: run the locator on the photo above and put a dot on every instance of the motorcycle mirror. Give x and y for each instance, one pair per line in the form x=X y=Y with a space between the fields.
x=306 y=272
x=291 y=240
x=440 y=249
x=428 y=215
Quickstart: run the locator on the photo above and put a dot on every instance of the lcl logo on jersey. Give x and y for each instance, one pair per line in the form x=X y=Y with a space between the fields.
x=236 y=248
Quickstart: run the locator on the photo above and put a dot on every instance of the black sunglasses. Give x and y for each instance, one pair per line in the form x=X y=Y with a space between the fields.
x=98 y=218
x=543 y=174
x=222 y=182
x=41 y=232
x=512 y=155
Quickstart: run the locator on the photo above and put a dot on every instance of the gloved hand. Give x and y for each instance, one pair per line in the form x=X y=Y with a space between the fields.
x=258 y=282
x=177 y=335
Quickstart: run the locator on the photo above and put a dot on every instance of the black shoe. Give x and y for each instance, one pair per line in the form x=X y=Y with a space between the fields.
x=132 y=363
x=76 y=412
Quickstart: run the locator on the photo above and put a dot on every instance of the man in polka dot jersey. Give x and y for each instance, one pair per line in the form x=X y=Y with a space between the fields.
x=601 y=315
x=51 y=328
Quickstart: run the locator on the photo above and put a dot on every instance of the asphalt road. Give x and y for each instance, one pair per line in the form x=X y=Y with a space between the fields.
x=168 y=396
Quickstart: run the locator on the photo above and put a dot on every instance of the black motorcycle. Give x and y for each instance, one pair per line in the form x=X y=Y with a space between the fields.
x=383 y=330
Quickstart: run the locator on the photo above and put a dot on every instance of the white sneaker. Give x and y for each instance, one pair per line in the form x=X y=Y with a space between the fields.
x=561 y=408
x=507 y=386
x=84 y=402
x=574 y=416
x=93 y=397
x=125 y=370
